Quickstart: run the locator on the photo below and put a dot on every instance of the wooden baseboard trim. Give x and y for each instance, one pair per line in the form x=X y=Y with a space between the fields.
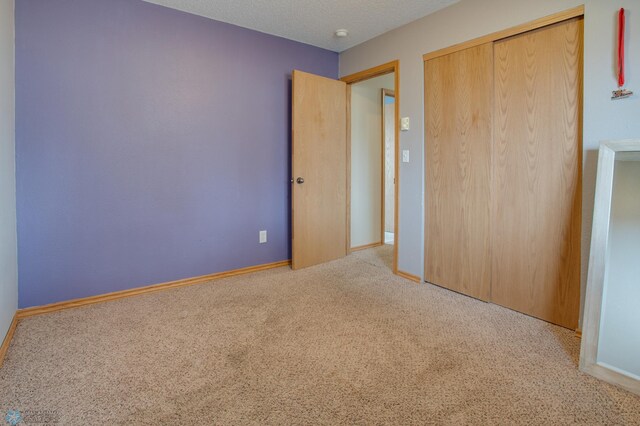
x=7 y=339
x=410 y=277
x=578 y=333
x=39 y=310
x=367 y=246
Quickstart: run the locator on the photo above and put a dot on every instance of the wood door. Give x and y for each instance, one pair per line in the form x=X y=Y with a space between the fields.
x=458 y=123
x=319 y=158
x=537 y=172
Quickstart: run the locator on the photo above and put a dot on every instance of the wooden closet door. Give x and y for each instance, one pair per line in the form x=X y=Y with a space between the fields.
x=537 y=173
x=458 y=123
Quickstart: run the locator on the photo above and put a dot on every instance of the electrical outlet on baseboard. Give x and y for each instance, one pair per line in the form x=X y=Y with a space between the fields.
x=263 y=237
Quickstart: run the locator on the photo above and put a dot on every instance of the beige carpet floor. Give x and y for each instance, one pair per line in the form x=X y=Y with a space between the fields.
x=342 y=343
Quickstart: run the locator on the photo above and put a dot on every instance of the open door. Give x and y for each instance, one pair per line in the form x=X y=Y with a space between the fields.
x=319 y=170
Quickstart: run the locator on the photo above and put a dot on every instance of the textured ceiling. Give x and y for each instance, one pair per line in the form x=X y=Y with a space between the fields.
x=313 y=21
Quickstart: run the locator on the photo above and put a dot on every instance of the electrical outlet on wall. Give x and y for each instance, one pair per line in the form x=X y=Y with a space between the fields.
x=263 y=237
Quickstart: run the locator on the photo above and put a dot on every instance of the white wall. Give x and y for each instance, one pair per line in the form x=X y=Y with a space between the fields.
x=389 y=163
x=8 y=244
x=366 y=159
x=619 y=342
x=468 y=19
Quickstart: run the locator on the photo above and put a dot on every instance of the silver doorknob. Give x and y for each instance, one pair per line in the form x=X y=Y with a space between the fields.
x=300 y=180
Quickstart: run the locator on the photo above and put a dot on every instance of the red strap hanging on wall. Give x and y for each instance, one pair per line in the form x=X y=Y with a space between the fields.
x=621 y=48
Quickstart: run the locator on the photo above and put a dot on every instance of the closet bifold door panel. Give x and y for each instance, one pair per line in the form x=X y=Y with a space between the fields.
x=458 y=123
x=536 y=189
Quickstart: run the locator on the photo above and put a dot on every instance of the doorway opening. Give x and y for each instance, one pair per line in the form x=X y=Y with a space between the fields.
x=389 y=164
x=373 y=109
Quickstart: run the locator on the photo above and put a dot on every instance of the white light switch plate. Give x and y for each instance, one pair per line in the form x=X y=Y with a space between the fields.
x=405 y=155
x=263 y=237
x=404 y=123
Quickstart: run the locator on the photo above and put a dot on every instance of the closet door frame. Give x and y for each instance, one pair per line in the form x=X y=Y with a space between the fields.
x=499 y=35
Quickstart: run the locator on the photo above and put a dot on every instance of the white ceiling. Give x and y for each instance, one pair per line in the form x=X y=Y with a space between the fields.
x=313 y=21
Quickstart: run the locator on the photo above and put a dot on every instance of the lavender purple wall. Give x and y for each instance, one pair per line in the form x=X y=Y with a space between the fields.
x=152 y=145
